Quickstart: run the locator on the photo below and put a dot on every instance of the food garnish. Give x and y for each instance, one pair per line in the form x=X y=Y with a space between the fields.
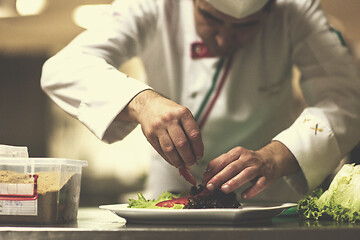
x=341 y=202
x=198 y=198
x=184 y=172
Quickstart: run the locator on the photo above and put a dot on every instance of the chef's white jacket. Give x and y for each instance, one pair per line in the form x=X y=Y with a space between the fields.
x=253 y=105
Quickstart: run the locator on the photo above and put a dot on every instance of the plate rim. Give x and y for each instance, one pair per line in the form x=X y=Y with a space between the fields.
x=247 y=206
x=219 y=216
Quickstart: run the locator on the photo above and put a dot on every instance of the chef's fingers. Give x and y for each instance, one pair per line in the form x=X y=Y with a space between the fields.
x=154 y=141
x=226 y=174
x=260 y=185
x=214 y=167
x=244 y=176
x=219 y=163
x=181 y=144
x=193 y=133
x=169 y=151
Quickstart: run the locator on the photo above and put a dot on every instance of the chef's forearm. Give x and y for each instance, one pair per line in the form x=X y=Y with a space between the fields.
x=135 y=107
x=285 y=161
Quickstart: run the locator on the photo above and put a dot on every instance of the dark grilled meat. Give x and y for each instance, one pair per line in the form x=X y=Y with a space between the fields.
x=200 y=198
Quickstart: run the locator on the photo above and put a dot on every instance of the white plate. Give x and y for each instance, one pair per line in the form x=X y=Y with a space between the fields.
x=248 y=212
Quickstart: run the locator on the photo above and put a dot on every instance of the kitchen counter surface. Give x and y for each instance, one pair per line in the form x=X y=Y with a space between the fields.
x=94 y=223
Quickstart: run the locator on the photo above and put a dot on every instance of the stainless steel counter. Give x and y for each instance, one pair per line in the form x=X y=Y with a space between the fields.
x=95 y=223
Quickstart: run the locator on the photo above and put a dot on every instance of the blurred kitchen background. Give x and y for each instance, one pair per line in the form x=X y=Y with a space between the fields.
x=33 y=30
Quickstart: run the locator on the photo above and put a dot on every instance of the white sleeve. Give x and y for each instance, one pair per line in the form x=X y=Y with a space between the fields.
x=83 y=78
x=329 y=127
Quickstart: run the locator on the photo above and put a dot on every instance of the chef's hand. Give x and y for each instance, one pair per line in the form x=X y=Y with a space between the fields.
x=169 y=127
x=240 y=166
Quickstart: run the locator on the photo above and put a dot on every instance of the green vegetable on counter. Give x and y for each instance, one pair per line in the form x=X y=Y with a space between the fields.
x=142 y=202
x=341 y=202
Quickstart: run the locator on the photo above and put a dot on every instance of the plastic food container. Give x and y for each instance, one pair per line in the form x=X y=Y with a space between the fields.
x=39 y=190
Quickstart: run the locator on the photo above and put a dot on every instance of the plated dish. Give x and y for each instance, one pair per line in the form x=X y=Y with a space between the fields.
x=246 y=213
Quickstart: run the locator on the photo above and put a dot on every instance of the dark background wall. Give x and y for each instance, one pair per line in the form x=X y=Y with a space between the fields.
x=24 y=115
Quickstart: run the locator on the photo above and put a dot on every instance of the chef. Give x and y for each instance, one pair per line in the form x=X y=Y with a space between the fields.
x=219 y=97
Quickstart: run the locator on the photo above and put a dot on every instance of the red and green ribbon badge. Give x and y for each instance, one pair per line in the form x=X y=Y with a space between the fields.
x=213 y=93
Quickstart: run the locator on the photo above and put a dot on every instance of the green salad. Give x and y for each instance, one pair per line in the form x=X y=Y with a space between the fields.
x=341 y=202
x=142 y=202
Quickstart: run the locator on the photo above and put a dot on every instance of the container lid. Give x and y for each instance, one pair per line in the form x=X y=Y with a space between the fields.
x=13 y=151
x=42 y=161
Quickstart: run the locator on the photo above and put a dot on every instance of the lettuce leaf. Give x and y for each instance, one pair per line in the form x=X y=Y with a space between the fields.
x=142 y=202
x=341 y=202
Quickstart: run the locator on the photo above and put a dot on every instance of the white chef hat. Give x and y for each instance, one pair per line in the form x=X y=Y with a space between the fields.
x=238 y=8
